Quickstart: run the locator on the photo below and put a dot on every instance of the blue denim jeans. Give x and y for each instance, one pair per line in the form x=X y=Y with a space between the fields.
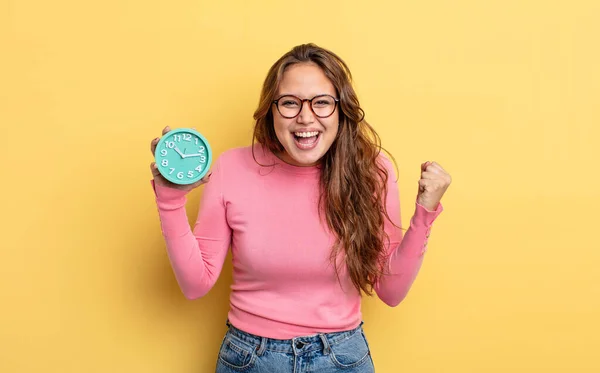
x=346 y=351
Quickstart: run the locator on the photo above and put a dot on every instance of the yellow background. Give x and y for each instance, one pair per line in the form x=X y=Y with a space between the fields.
x=503 y=94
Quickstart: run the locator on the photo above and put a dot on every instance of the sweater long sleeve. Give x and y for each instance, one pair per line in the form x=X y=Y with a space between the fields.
x=283 y=282
x=406 y=250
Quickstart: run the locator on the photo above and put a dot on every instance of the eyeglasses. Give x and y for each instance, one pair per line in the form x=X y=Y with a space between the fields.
x=290 y=106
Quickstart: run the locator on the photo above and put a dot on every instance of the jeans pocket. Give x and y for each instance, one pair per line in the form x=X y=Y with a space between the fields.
x=236 y=355
x=351 y=352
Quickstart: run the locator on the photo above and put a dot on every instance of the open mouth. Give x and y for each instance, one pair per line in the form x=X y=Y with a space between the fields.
x=306 y=140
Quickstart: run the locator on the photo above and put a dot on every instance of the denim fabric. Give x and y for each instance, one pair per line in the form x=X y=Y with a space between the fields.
x=346 y=351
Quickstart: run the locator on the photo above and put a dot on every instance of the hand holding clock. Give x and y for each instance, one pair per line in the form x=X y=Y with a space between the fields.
x=178 y=170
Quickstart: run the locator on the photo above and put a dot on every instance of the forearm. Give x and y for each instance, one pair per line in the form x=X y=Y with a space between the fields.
x=406 y=257
x=190 y=265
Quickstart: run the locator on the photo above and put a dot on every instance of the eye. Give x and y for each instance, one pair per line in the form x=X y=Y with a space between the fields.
x=289 y=103
x=323 y=102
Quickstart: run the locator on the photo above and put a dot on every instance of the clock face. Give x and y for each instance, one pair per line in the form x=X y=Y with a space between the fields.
x=183 y=156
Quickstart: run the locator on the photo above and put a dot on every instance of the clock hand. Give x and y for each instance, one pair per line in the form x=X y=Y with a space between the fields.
x=180 y=153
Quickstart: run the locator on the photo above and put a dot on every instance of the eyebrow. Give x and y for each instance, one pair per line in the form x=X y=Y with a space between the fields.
x=319 y=94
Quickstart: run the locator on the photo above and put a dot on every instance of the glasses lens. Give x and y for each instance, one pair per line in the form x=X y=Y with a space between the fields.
x=323 y=106
x=289 y=106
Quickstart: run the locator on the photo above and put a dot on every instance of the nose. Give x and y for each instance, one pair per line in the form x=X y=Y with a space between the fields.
x=306 y=115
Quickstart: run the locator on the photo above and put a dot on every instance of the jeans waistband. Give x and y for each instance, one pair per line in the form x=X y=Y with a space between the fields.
x=294 y=345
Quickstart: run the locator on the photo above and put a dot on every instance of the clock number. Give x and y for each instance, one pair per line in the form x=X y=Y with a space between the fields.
x=190 y=174
x=165 y=162
x=163 y=152
x=177 y=138
x=187 y=137
x=201 y=149
x=180 y=175
x=202 y=158
x=170 y=144
x=196 y=140
x=199 y=168
x=172 y=169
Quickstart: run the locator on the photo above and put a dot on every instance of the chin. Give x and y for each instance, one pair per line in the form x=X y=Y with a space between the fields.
x=303 y=158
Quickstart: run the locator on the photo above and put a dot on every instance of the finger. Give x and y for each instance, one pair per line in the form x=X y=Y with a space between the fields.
x=153 y=145
x=440 y=172
x=431 y=184
x=420 y=188
x=431 y=175
x=154 y=169
x=166 y=130
x=206 y=178
x=424 y=165
x=434 y=169
x=437 y=166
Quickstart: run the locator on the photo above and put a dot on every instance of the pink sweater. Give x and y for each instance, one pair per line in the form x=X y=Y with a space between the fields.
x=283 y=283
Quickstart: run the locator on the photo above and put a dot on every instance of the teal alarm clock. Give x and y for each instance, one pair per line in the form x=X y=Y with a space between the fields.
x=183 y=156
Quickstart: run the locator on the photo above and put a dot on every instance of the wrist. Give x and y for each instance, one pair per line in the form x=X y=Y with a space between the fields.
x=429 y=205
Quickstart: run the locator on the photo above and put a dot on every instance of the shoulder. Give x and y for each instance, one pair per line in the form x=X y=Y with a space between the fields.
x=234 y=156
x=239 y=160
x=388 y=164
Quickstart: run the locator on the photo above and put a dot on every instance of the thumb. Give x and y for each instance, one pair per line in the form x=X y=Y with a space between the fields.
x=422 y=186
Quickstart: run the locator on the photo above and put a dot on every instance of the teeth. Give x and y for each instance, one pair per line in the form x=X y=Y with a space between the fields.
x=306 y=134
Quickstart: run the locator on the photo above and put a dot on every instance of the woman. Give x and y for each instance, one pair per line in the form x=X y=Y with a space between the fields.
x=311 y=212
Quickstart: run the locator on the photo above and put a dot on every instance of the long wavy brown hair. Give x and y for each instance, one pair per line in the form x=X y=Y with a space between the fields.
x=353 y=181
